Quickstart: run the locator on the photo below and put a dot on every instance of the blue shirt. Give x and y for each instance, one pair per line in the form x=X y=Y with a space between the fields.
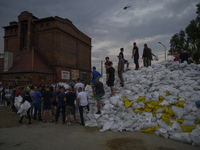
x=37 y=98
x=61 y=97
x=95 y=75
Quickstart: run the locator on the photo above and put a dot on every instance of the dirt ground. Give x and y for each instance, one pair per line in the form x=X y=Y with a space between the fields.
x=49 y=136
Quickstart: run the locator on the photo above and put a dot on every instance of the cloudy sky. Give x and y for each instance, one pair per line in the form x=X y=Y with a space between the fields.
x=108 y=24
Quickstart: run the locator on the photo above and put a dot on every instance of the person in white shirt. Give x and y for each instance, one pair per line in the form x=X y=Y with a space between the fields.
x=82 y=102
x=76 y=87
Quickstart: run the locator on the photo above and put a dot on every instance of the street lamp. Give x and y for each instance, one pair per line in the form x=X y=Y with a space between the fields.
x=165 y=49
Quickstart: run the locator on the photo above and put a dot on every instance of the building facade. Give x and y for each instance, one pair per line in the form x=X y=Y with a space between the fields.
x=44 y=51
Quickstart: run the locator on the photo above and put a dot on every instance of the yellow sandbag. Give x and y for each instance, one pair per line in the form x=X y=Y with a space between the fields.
x=127 y=102
x=141 y=99
x=170 y=110
x=164 y=110
x=140 y=110
x=178 y=97
x=150 y=106
x=180 y=103
x=167 y=94
x=197 y=122
x=156 y=108
x=187 y=128
x=150 y=130
x=165 y=117
x=180 y=120
x=170 y=124
x=161 y=98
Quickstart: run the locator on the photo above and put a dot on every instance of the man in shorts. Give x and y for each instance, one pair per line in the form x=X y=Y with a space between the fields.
x=47 y=98
x=120 y=69
x=82 y=103
x=98 y=93
x=37 y=103
x=70 y=98
x=110 y=77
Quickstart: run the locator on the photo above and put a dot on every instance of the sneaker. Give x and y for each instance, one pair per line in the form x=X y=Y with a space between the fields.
x=20 y=121
x=69 y=124
x=52 y=121
x=122 y=85
x=98 y=112
x=44 y=121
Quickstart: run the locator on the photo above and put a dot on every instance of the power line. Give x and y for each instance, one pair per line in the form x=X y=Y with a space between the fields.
x=98 y=13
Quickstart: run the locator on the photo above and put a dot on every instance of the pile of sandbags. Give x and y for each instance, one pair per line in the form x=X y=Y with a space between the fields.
x=159 y=99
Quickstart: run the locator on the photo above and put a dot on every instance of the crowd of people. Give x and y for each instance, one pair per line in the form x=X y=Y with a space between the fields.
x=73 y=100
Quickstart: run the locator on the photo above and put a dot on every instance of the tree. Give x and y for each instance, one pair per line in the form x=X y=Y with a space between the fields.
x=190 y=39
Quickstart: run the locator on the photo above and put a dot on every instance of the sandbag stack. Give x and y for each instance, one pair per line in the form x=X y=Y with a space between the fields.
x=159 y=99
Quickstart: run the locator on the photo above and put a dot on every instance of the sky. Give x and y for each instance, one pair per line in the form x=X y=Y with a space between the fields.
x=109 y=25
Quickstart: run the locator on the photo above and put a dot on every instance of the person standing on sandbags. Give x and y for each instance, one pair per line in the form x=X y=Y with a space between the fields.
x=95 y=74
x=135 y=55
x=150 y=59
x=98 y=93
x=110 y=77
x=125 y=61
x=106 y=63
x=82 y=102
x=28 y=99
x=184 y=56
x=120 y=69
x=146 y=55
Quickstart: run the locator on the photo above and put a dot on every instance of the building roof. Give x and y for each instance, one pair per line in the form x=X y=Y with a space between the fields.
x=28 y=61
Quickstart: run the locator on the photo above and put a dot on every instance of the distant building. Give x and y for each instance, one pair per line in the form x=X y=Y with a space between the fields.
x=47 y=50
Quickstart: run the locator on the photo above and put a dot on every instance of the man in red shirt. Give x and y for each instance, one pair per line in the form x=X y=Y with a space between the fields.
x=106 y=63
x=176 y=57
x=18 y=92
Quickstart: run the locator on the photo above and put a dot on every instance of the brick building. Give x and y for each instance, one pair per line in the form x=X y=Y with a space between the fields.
x=47 y=50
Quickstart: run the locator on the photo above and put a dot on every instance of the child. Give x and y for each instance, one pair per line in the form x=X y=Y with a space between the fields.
x=28 y=99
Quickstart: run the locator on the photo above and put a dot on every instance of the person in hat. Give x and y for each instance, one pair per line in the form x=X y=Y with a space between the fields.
x=106 y=63
x=120 y=69
x=135 y=54
x=47 y=97
x=125 y=61
x=95 y=74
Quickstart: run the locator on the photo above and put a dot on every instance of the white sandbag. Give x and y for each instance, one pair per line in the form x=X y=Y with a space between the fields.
x=162 y=124
x=188 y=123
x=178 y=111
x=163 y=132
x=128 y=124
x=107 y=126
x=176 y=137
x=186 y=138
x=114 y=127
x=137 y=129
x=18 y=101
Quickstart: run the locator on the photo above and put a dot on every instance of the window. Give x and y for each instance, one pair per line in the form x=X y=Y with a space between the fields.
x=47 y=24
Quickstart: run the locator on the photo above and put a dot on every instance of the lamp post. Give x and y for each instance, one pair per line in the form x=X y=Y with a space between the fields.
x=164 y=47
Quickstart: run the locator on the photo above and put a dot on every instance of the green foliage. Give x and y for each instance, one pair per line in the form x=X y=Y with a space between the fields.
x=188 y=39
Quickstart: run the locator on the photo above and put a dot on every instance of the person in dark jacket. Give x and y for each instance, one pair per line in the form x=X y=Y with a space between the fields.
x=28 y=99
x=146 y=55
x=184 y=56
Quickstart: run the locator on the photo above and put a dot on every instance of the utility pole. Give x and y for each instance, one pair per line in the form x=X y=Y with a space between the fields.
x=164 y=47
x=102 y=67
